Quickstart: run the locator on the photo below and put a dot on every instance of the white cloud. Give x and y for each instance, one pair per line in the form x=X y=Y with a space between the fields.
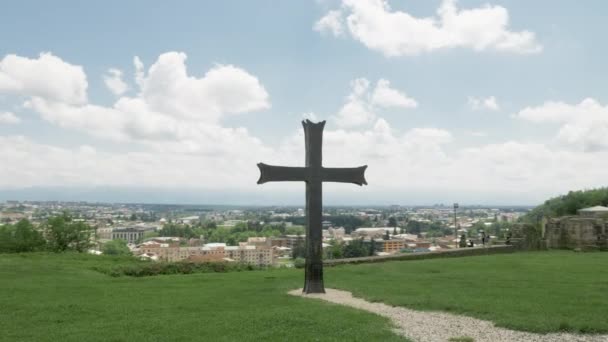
x=310 y=116
x=397 y=33
x=385 y=96
x=139 y=71
x=171 y=109
x=479 y=134
x=26 y=163
x=47 y=77
x=362 y=103
x=331 y=22
x=180 y=141
x=488 y=103
x=113 y=81
x=9 y=118
x=583 y=125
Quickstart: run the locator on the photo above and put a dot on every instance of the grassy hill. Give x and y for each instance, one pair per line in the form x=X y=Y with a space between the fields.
x=569 y=204
x=58 y=297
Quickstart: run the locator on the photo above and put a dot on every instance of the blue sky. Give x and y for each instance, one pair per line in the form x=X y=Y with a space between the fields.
x=499 y=115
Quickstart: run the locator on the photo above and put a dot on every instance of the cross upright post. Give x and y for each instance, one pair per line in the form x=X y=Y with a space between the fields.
x=314 y=174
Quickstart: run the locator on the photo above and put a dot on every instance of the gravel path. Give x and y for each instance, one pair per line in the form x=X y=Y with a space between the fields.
x=436 y=326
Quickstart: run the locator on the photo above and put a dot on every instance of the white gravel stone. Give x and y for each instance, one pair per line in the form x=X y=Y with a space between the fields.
x=427 y=326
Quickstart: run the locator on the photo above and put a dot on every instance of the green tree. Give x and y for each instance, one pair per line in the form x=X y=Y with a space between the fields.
x=295 y=230
x=299 y=249
x=355 y=249
x=336 y=250
x=65 y=234
x=372 y=247
x=21 y=237
x=116 y=247
x=177 y=230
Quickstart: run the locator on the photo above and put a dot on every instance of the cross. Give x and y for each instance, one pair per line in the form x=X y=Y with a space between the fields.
x=314 y=174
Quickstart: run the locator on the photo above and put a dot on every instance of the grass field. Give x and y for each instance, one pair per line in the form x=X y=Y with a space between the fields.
x=536 y=291
x=59 y=297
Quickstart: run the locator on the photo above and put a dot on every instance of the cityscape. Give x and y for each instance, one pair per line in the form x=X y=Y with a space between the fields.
x=270 y=236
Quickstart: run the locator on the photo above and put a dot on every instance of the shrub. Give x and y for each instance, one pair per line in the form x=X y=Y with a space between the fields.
x=299 y=263
x=181 y=267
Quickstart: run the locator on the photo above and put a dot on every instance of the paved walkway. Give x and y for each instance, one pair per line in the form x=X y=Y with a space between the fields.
x=424 y=326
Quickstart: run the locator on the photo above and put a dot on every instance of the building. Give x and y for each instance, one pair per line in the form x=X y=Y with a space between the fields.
x=211 y=252
x=251 y=255
x=260 y=242
x=392 y=246
x=597 y=211
x=373 y=232
x=104 y=233
x=131 y=235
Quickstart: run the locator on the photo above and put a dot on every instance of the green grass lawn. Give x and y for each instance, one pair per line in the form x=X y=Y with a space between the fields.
x=535 y=291
x=60 y=298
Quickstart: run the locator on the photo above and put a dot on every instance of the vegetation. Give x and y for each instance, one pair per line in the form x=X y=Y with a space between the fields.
x=145 y=269
x=21 y=237
x=116 y=247
x=58 y=234
x=211 y=232
x=461 y=339
x=568 y=204
x=349 y=222
x=533 y=291
x=58 y=297
x=431 y=228
x=63 y=233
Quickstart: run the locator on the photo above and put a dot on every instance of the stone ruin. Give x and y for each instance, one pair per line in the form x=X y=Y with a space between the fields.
x=587 y=231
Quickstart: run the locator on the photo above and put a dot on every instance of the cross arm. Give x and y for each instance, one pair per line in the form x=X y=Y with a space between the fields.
x=272 y=173
x=354 y=175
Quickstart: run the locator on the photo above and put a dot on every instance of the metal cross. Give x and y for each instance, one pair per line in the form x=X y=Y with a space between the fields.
x=314 y=174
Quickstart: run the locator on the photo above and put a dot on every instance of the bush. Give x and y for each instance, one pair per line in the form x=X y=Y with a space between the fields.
x=181 y=267
x=116 y=247
x=299 y=263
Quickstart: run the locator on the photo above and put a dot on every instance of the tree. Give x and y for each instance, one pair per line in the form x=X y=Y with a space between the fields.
x=372 y=247
x=392 y=222
x=299 y=249
x=150 y=234
x=176 y=230
x=21 y=237
x=336 y=251
x=386 y=236
x=65 y=234
x=355 y=249
x=116 y=247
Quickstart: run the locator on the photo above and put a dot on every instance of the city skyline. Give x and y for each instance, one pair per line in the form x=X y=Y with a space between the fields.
x=122 y=102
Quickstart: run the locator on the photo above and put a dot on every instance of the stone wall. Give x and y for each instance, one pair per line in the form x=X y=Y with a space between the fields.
x=576 y=232
x=450 y=253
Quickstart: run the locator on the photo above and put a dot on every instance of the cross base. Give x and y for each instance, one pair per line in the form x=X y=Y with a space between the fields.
x=313 y=279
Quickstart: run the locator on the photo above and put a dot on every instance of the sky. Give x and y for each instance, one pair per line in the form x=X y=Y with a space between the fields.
x=477 y=102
